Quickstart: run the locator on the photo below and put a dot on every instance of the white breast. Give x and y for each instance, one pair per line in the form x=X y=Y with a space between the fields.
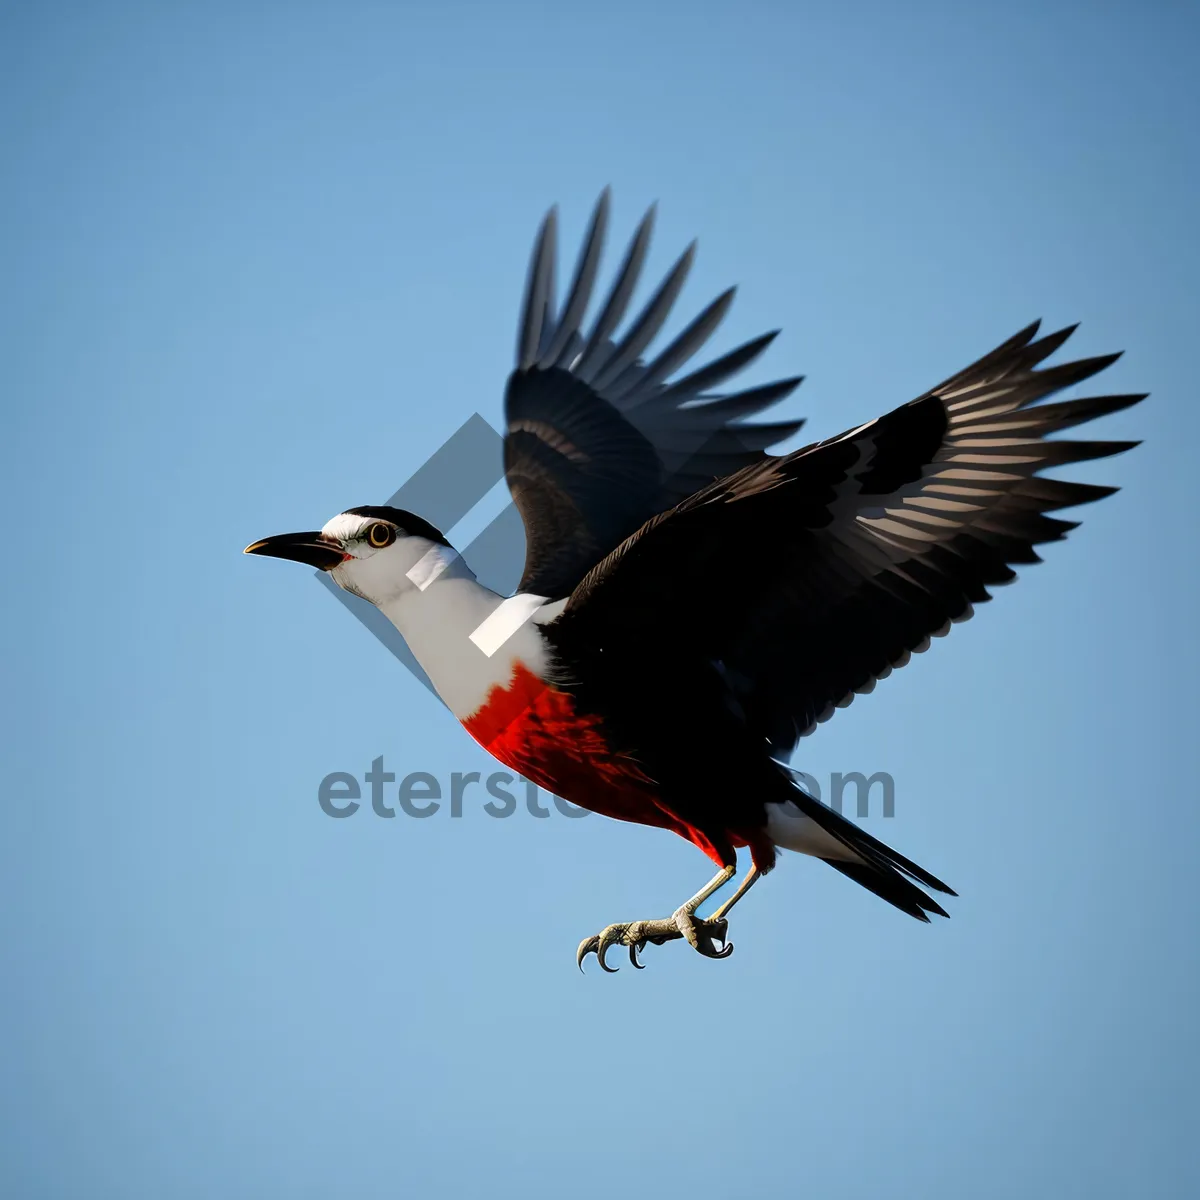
x=468 y=639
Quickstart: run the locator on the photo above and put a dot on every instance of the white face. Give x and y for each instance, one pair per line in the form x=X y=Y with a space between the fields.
x=383 y=561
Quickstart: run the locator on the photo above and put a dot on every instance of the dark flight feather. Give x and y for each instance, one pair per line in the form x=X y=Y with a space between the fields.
x=597 y=440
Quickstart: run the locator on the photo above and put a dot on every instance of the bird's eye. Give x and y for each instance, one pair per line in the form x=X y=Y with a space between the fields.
x=380 y=535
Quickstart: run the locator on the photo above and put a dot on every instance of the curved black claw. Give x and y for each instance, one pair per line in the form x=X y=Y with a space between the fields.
x=600 y=943
x=609 y=937
x=587 y=946
x=710 y=951
x=707 y=934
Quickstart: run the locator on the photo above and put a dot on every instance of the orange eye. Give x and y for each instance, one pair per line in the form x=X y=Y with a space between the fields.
x=380 y=535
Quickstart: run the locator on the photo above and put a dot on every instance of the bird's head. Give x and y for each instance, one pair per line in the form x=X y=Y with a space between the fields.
x=376 y=552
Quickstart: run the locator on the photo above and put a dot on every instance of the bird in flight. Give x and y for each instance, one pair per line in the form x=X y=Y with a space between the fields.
x=692 y=605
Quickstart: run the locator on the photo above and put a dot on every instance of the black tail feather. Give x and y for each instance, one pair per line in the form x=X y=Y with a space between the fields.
x=891 y=886
x=882 y=870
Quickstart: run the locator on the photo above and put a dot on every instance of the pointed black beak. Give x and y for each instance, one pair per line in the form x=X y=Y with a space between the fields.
x=312 y=548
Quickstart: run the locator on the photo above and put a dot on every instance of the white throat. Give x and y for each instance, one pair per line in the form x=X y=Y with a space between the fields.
x=437 y=621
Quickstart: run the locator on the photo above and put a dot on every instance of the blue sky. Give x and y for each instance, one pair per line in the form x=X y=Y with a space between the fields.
x=261 y=260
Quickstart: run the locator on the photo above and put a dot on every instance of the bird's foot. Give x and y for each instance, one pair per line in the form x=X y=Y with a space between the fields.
x=702 y=935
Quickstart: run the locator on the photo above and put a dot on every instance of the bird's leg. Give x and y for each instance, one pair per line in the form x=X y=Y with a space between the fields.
x=747 y=883
x=682 y=923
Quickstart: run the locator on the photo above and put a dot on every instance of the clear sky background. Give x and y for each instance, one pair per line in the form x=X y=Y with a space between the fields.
x=260 y=260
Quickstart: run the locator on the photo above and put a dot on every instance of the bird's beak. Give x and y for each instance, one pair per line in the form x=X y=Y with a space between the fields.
x=312 y=548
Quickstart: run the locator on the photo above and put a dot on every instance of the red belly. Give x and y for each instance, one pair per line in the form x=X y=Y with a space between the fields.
x=534 y=729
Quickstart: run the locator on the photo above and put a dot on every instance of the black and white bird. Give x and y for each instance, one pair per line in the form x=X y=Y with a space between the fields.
x=641 y=670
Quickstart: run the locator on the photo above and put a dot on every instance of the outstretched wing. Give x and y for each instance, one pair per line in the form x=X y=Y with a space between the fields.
x=598 y=439
x=811 y=576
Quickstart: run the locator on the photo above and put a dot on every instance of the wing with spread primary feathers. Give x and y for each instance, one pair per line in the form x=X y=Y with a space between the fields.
x=600 y=435
x=810 y=576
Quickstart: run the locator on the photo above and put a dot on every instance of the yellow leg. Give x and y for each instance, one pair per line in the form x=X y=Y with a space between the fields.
x=715 y=884
x=743 y=888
